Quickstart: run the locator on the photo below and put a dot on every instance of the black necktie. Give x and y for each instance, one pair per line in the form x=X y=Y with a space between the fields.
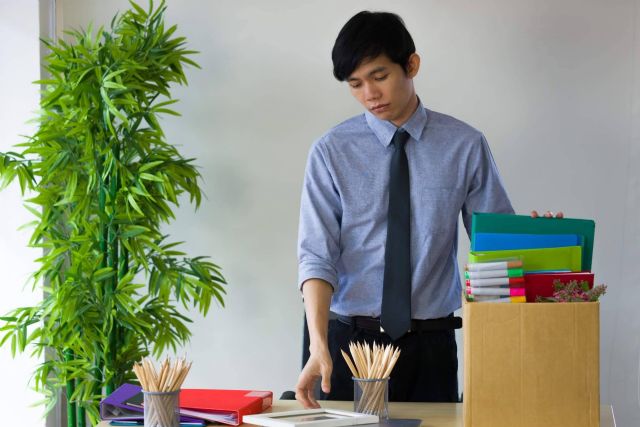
x=395 y=315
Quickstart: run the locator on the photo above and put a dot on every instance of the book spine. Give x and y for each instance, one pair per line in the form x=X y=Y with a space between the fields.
x=257 y=406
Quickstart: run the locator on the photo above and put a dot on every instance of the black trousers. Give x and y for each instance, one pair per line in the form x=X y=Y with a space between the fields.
x=426 y=371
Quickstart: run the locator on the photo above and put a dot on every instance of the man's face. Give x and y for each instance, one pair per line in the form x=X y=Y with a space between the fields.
x=383 y=88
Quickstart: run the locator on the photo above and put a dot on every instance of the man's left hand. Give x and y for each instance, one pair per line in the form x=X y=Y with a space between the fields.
x=547 y=214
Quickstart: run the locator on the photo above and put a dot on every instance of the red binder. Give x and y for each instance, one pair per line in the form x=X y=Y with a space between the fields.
x=541 y=284
x=224 y=406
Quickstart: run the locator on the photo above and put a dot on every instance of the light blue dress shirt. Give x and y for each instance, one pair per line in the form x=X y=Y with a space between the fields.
x=343 y=212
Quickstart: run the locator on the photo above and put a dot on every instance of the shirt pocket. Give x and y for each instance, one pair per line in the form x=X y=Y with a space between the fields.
x=436 y=209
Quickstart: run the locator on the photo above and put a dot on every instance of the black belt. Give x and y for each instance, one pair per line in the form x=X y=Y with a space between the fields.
x=373 y=324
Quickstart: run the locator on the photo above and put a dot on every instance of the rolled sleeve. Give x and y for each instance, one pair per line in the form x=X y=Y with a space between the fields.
x=316 y=269
x=486 y=192
x=319 y=227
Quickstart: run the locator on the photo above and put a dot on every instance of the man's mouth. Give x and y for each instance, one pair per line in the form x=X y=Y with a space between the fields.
x=379 y=108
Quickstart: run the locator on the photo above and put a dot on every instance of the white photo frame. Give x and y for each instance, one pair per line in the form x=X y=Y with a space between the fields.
x=311 y=418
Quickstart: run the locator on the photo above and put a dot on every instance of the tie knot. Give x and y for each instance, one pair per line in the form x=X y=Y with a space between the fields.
x=400 y=138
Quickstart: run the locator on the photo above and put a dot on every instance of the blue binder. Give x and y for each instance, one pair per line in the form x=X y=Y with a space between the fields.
x=506 y=241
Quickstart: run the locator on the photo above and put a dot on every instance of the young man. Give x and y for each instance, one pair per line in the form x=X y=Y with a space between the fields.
x=378 y=221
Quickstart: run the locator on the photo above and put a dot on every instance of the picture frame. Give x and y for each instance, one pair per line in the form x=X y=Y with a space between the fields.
x=311 y=418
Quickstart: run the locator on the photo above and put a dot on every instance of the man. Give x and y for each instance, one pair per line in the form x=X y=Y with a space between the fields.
x=378 y=221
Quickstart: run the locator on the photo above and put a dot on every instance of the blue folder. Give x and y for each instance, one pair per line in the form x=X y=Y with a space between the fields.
x=506 y=241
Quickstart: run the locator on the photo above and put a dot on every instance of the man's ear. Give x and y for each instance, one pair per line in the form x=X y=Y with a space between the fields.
x=413 y=65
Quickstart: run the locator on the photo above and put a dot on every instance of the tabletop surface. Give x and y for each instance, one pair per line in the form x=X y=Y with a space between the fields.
x=431 y=414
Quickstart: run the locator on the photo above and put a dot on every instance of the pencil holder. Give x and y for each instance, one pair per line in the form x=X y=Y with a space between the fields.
x=371 y=396
x=162 y=408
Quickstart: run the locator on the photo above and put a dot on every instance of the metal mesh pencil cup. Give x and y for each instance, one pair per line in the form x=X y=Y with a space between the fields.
x=162 y=408
x=371 y=396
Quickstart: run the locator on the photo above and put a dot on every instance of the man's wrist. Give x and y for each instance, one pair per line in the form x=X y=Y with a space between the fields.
x=319 y=346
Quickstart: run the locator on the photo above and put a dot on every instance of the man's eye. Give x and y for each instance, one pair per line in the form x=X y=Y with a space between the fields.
x=355 y=85
x=381 y=78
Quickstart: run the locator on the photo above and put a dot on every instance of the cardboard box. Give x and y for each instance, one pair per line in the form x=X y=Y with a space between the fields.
x=531 y=365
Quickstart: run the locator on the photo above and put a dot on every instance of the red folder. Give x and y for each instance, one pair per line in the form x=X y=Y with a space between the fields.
x=225 y=406
x=541 y=284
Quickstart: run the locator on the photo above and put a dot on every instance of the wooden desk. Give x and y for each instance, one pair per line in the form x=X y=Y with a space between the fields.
x=431 y=414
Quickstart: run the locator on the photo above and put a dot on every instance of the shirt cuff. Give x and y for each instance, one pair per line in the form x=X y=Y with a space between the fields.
x=317 y=269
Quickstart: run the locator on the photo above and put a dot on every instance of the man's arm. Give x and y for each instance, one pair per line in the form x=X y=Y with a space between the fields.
x=317 y=298
x=485 y=192
x=318 y=252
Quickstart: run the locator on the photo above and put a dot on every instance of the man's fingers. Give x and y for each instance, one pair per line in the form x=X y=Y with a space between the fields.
x=304 y=383
x=547 y=214
x=317 y=367
x=306 y=397
x=304 y=391
x=301 y=396
x=313 y=403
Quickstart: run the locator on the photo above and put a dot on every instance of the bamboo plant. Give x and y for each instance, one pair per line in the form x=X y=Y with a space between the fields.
x=101 y=179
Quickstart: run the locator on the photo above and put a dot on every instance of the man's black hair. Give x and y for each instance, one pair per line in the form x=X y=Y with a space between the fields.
x=368 y=35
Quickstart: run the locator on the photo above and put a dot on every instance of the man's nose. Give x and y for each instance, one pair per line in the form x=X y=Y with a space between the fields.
x=371 y=92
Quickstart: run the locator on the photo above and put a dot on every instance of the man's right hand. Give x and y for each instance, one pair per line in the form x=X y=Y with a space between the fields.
x=319 y=366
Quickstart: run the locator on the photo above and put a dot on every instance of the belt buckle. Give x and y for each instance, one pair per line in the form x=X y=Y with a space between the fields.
x=382 y=330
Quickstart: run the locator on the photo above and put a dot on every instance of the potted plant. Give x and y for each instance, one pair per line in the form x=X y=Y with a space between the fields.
x=101 y=179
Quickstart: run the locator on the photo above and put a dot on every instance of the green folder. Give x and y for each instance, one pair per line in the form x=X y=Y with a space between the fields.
x=524 y=224
x=545 y=259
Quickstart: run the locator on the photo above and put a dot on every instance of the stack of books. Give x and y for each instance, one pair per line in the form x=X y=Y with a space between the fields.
x=550 y=249
x=500 y=281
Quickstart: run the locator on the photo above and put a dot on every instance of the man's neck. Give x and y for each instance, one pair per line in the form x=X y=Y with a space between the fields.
x=411 y=108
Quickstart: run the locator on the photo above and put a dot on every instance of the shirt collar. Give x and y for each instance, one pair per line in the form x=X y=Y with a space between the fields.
x=384 y=129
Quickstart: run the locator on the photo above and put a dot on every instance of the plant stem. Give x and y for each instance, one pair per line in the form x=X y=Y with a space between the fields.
x=98 y=365
x=112 y=243
x=122 y=271
x=81 y=416
x=71 y=406
x=102 y=243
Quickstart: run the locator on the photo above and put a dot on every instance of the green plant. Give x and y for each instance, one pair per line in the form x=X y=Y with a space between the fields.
x=101 y=180
x=574 y=291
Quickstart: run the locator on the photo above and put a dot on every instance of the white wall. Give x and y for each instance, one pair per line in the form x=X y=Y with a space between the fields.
x=19 y=66
x=553 y=84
